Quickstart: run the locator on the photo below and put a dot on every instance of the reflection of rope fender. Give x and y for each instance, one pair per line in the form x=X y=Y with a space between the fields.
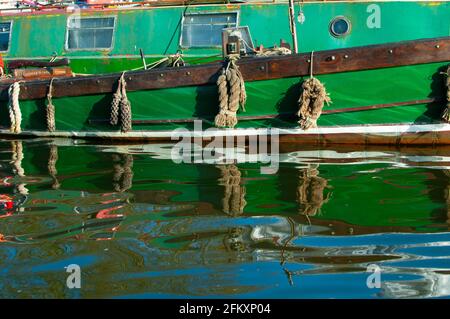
x=446 y=113
x=234 y=198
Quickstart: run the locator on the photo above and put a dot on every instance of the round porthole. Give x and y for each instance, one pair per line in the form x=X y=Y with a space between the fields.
x=340 y=26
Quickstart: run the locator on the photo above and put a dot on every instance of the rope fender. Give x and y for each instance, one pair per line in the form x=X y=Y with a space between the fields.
x=15 y=115
x=311 y=100
x=446 y=113
x=50 y=109
x=232 y=95
x=121 y=103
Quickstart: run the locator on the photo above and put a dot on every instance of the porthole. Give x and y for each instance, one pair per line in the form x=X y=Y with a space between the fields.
x=340 y=26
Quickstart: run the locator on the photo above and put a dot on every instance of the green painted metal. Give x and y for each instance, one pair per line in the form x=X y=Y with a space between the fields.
x=349 y=89
x=157 y=30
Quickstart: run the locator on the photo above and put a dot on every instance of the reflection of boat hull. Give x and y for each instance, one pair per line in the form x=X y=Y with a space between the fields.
x=300 y=188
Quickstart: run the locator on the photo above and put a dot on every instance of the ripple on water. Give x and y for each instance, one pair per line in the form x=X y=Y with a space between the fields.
x=140 y=225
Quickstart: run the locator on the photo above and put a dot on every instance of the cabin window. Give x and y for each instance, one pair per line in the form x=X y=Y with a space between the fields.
x=340 y=26
x=5 y=33
x=90 y=33
x=205 y=29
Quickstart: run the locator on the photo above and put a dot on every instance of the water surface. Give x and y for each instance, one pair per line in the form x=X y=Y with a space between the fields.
x=141 y=226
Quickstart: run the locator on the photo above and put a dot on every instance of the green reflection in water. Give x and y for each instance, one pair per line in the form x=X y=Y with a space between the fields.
x=140 y=225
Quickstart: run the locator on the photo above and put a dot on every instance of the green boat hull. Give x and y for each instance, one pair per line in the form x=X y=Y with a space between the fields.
x=156 y=108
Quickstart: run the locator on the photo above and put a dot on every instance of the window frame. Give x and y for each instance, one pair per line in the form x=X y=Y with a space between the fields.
x=10 y=35
x=66 y=45
x=180 y=43
x=332 y=23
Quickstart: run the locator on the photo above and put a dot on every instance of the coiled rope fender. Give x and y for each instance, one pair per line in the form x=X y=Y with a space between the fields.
x=121 y=103
x=312 y=100
x=446 y=113
x=50 y=109
x=232 y=95
x=15 y=115
x=234 y=198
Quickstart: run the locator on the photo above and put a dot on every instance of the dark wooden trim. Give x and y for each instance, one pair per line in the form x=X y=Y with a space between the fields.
x=382 y=106
x=283 y=115
x=15 y=64
x=253 y=69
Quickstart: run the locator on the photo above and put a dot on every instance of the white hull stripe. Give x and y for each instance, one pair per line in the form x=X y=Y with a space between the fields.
x=384 y=130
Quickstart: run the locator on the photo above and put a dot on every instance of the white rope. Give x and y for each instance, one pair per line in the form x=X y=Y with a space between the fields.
x=14 y=108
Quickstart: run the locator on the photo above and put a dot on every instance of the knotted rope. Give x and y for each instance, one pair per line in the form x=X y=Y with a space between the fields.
x=121 y=103
x=274 y=51
x=123 y=172
x=446 y=113
x=234 y=198
x=15 y=115
x=312 y=100
x=50 y=109
x=231 y=88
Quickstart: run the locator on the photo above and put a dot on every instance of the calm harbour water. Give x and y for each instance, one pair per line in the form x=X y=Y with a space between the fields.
x=141 y=226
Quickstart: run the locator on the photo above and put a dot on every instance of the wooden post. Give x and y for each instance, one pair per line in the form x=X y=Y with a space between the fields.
x=292 y=25
x=143 y=58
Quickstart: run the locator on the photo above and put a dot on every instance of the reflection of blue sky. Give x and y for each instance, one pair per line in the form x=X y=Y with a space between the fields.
x=258 y=270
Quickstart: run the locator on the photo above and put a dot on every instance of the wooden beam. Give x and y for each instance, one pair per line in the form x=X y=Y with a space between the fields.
x=283 y=115
x=253 y=69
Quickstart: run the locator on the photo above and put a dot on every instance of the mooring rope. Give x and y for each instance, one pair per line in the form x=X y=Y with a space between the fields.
x=121 y=103
x=15 y=115
x=232 y=94
x=312 y=100
x=446 y=113
x=234 y=197
x=50 y=109
x=274 y=51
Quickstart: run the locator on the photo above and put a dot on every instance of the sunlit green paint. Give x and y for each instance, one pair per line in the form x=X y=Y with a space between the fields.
x=157 y=30
x=350 y=89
